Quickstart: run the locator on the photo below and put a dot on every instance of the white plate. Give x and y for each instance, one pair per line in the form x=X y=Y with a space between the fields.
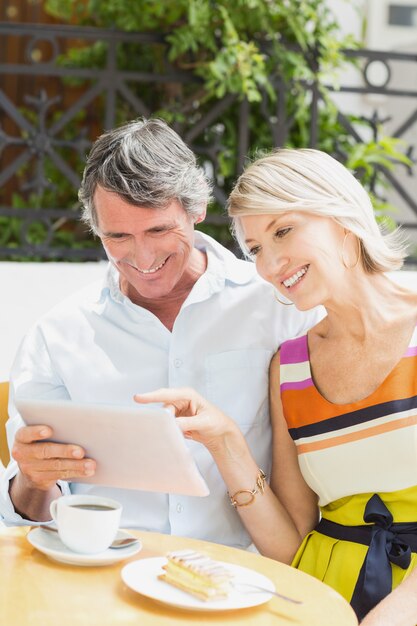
x=142 y=576
x=51 y=545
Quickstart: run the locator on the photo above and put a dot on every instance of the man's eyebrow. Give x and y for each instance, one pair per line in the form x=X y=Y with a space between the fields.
x=155 y=227
x=166 y=226
x=268 y=228
x=111 y=233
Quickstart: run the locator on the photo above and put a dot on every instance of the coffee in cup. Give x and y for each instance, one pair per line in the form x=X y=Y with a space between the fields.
x=86 y=524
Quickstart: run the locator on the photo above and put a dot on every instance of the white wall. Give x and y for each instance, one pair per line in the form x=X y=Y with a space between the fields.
x=349 y=14
x=31 y=289
x=395 y=109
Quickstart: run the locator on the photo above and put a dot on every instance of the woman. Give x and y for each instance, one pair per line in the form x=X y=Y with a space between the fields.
x=343 y=397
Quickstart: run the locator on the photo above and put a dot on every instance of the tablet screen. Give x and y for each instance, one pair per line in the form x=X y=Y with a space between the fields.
x=135 y=447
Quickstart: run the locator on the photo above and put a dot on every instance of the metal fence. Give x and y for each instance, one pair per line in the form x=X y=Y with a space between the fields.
x=50 y=112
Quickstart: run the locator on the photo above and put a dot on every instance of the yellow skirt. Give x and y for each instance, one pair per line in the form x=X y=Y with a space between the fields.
x=336 y=562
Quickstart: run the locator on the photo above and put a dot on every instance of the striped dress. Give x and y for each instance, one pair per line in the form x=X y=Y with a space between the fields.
x=349 y=452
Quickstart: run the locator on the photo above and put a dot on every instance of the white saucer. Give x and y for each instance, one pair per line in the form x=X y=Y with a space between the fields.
x=51 y=545
x=142 y=576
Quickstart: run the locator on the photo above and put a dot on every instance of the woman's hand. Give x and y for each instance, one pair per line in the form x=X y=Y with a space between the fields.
x=198 y=419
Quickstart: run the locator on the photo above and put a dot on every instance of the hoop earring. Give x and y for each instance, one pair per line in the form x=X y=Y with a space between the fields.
x=347 y=266
x=281 y=302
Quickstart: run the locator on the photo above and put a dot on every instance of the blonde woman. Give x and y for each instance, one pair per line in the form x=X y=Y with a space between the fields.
x=342 y=500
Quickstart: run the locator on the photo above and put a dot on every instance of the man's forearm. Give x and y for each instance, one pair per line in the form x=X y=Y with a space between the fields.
x=29 y=502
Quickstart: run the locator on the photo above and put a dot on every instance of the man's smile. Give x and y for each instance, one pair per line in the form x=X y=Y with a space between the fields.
x=152 y=270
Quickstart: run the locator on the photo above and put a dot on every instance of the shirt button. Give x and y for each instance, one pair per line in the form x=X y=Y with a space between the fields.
x=177 y=362
x=179 y=508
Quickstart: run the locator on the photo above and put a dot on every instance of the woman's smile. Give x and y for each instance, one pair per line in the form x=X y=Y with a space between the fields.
x=295 y=278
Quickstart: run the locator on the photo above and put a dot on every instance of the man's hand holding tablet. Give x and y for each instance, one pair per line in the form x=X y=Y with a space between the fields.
x=131 y=447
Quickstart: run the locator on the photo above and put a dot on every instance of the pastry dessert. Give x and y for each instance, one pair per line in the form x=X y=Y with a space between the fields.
x=197 y=574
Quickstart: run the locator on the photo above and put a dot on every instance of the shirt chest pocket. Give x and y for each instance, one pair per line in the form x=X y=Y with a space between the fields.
x=237 y=382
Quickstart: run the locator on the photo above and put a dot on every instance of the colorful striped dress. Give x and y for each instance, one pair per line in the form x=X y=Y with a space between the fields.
x=347 y=454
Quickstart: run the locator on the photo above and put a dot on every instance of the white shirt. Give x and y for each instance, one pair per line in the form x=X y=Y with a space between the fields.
x=97 y=346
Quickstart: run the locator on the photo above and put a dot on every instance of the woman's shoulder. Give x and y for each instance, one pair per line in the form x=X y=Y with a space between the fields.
x=296 y=350
x=291 y=351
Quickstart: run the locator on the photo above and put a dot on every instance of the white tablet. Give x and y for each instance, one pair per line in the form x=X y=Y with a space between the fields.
x=135 y=447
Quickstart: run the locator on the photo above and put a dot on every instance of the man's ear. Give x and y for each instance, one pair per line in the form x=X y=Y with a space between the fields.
x=200 y=217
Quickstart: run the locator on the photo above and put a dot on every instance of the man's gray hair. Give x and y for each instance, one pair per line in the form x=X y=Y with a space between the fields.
x=147 y=164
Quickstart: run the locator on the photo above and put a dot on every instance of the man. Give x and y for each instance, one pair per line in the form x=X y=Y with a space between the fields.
x=175 y=309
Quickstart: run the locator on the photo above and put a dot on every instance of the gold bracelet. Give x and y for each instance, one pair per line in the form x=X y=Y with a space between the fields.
x=249 y=494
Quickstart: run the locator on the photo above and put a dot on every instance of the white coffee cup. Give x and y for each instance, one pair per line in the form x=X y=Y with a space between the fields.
x=86 y=524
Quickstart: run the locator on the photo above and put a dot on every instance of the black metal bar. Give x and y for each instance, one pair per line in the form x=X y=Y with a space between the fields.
x=412 y=204
x=111 y=83
x=42 y=69
x=402 y=93
x=210 y=117
x=314 y=115
x=70 y=214
x=14 y=166
x=64 y=168
x=380 y=55
x=342 y=119
x=75 y=32
x=82 y=102
x=14 y=112
x=243 y=132
x=136 y=103
x=406 y=125
x=48 y=133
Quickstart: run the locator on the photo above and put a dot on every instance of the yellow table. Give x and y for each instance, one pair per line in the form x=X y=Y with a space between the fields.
x=35 y=591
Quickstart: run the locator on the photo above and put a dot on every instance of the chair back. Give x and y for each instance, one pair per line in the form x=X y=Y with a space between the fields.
x=4 y=398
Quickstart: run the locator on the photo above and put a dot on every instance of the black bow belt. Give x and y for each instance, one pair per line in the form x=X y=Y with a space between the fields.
x=388 y=543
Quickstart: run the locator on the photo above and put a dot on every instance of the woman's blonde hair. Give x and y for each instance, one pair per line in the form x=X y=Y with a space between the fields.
x=313 y=182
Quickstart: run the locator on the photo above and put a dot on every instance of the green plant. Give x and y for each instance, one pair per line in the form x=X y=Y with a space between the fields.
x=246 y=49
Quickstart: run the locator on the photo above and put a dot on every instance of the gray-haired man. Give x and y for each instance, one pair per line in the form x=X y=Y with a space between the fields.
x=175 y=309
